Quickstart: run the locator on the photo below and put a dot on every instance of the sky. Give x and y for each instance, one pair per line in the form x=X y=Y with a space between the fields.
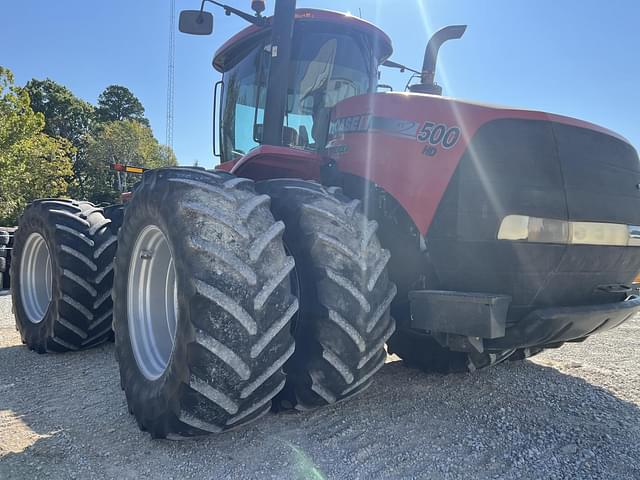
x=579 y=58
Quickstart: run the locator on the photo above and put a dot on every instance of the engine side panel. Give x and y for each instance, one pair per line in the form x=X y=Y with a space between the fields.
x=376 y=137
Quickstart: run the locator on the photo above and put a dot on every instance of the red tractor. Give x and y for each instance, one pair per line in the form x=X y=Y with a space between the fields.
x=340 y=220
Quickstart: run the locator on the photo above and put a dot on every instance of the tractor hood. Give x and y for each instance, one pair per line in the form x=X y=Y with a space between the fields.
x=536 y=206
x=524 y=161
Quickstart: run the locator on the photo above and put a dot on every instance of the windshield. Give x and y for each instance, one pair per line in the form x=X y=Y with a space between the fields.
x=326 y=67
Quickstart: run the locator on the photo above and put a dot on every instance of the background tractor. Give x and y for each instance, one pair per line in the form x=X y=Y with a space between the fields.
x=340 y=220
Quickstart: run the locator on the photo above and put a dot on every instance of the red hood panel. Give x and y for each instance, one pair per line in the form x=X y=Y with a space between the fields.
x=410 y=144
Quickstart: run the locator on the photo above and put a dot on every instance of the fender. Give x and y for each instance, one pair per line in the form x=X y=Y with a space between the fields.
x=269 y=161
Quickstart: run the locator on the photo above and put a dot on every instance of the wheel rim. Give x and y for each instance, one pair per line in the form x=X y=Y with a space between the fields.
x=35 y=278
x=152 y=302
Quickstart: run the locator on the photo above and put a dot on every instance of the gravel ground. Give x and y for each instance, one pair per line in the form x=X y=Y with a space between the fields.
x=571 y=413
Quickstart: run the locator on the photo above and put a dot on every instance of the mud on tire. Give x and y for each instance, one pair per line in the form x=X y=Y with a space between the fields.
x=234 y=303
x=81 y=248
x=344 y=290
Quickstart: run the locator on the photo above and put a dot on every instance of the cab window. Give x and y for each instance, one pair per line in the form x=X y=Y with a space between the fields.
x=326 y=67
x=243 y=104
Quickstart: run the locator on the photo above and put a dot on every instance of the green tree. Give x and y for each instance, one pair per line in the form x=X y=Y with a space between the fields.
x=119 y=103
x=32 y=164
x=127 y=142
x=66 y=116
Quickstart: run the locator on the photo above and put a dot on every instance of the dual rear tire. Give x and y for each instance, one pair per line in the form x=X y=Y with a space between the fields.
x=62 y=273
x=215 y=322
x=235 y=342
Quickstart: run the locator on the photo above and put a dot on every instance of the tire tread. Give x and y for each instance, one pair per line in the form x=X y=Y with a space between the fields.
x=238 y=302
x=75 y=230
x=343 y=320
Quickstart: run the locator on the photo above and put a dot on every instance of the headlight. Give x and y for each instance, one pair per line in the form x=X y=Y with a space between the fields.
x=548 y=230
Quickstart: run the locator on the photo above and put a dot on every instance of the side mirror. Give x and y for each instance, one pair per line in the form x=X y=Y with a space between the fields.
x=196 y=22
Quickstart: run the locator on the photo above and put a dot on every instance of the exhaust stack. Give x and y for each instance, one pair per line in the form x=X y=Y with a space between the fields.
x=427 y=78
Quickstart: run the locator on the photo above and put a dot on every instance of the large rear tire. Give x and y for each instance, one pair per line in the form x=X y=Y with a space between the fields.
x=525 y=353
x=344 y=290
x=201 y=338
x=61 y=271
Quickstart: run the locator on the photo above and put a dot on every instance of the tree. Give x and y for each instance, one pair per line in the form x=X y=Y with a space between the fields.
x=119 y=103
x=128 y=142
x=33 y=164
x=65 y=115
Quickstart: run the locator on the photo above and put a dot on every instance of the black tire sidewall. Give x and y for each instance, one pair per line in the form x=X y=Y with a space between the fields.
x=315 y=332
x=154 y=397
x=35 y=220
x=310 y=308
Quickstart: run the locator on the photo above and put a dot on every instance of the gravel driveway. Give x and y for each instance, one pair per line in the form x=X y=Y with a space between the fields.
x=571 y=413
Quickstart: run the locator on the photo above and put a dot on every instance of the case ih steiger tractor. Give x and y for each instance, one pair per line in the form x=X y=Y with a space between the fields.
x=340 y=220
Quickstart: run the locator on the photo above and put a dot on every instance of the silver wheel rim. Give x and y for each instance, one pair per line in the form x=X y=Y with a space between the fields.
x=35 y=278
x=152 y=302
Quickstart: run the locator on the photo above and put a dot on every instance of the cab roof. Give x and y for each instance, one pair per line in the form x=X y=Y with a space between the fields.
x=347 y=20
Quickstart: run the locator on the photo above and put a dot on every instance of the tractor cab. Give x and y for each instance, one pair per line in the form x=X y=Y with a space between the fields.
x=334 y=56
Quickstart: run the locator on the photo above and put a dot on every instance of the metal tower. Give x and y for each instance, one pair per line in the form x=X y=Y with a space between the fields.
x=170 y=73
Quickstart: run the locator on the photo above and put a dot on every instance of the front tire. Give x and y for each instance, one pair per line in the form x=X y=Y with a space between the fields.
x=421 y=351
x=201 y=338
x=344 y=290
x=61 y=274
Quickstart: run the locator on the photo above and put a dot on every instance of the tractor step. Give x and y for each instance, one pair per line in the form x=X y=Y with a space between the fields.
x=461 y=313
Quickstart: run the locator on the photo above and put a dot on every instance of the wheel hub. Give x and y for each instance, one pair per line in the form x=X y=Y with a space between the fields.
x=36 y=278
x=152 y=303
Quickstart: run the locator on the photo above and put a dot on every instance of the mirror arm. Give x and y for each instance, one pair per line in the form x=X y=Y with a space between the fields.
x=259 y=21
x=399 y=66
